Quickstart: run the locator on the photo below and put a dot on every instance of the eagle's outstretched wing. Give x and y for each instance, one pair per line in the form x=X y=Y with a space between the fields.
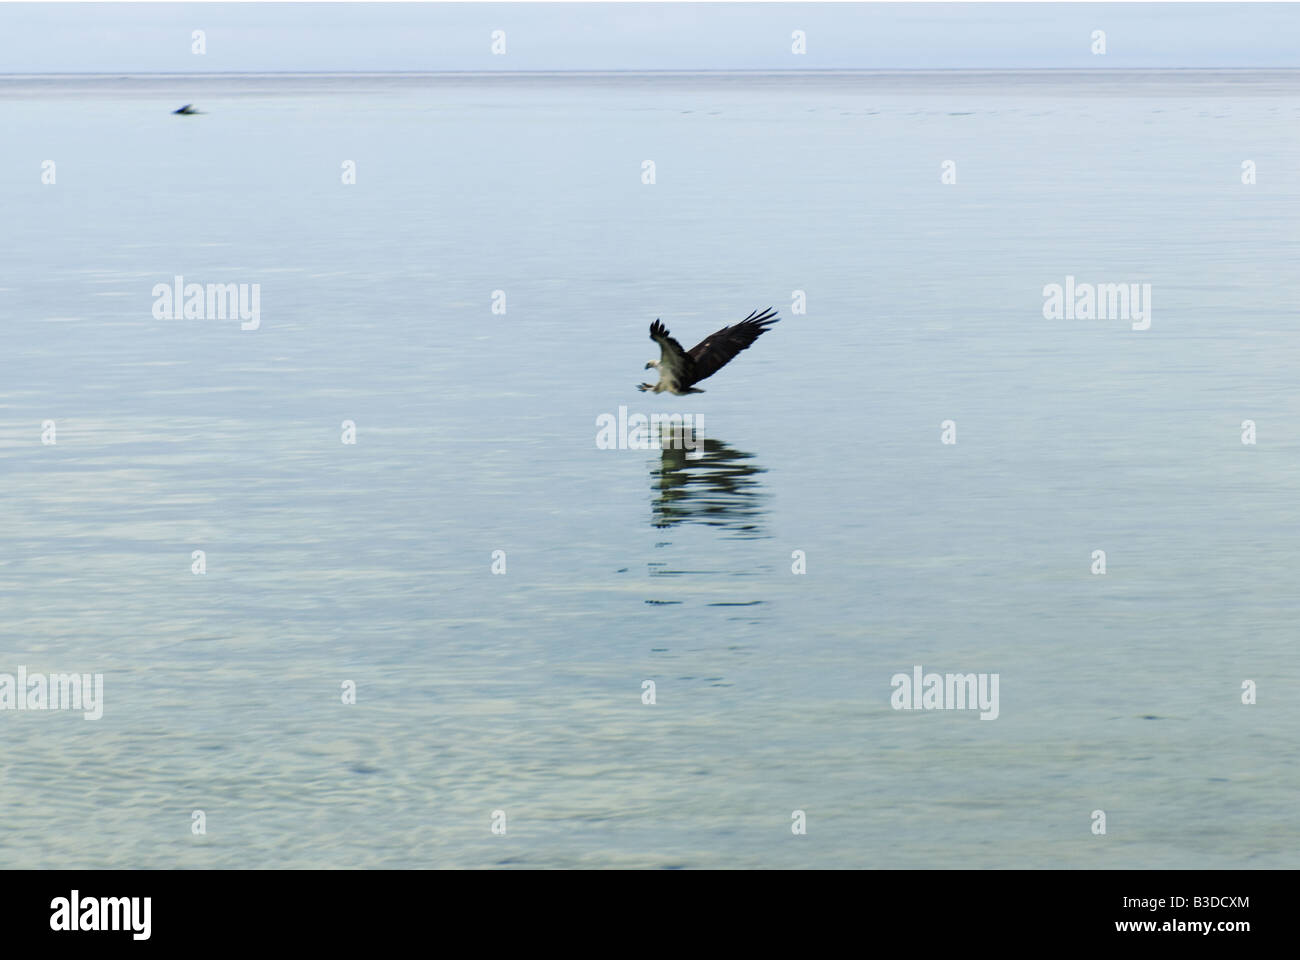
x=671 y=355
x=717 y=350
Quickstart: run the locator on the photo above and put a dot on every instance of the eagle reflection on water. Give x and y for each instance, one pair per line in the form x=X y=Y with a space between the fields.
x=702 y=480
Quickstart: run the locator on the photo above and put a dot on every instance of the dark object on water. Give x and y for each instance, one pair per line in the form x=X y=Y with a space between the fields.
x=187 y=110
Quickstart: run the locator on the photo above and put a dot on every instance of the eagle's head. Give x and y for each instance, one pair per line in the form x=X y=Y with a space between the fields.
x=651 y=364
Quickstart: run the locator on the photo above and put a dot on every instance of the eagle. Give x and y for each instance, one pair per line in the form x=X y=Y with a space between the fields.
x=679 y=370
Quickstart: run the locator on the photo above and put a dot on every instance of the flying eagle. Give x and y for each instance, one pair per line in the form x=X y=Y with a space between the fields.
x=679 y=370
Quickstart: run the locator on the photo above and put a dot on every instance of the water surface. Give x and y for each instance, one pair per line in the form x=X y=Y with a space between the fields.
x=522 y=692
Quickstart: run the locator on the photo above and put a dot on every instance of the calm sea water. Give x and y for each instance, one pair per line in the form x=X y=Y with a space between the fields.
x=371 y=563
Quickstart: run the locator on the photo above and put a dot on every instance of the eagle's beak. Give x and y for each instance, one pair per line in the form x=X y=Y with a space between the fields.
x=649 y=364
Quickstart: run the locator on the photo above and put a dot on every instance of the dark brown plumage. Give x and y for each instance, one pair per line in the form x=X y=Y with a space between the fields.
x=679 y=370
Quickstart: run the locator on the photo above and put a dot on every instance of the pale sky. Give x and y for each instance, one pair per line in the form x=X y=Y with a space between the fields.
x=156 y=37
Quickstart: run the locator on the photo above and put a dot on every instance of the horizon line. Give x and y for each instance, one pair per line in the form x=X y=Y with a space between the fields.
x=790 y=71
